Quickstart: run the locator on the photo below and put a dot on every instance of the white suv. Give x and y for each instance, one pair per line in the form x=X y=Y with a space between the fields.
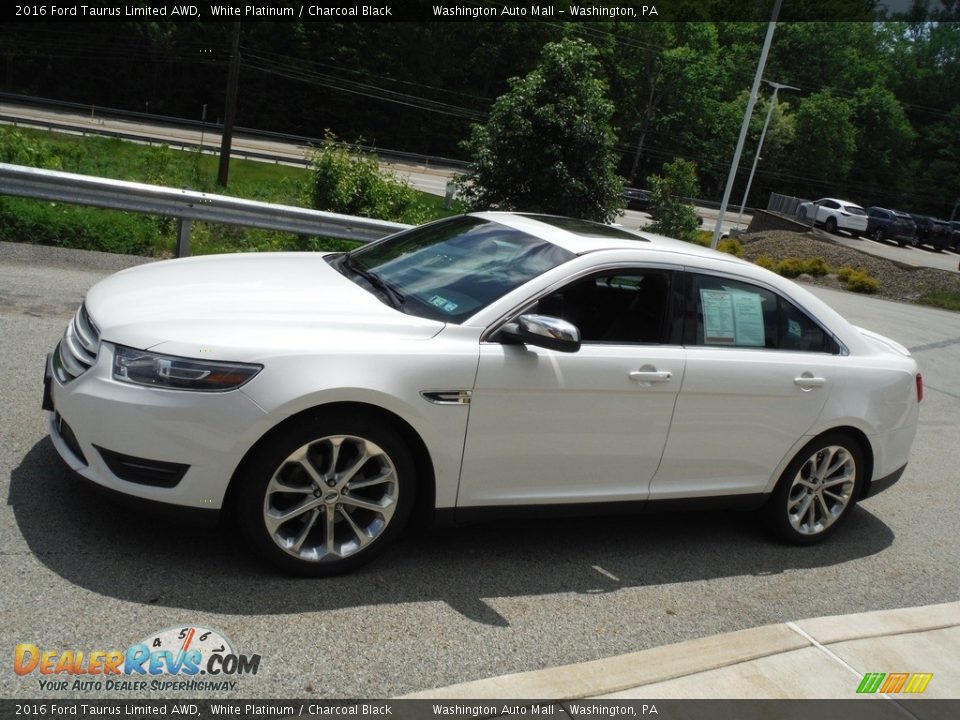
x=835 y=215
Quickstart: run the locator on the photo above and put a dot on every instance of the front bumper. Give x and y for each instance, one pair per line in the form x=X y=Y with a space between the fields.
x=208 y=432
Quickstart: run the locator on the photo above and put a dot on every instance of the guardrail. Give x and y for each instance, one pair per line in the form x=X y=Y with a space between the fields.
x=186 y=205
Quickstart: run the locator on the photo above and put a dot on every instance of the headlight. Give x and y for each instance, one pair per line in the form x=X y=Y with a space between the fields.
x=139 y=367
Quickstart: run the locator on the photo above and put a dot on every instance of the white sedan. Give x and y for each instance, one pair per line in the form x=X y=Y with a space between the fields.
x=483 y=365
x=835 y=215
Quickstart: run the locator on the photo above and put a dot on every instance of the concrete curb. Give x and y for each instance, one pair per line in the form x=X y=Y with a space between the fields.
x=693 y=657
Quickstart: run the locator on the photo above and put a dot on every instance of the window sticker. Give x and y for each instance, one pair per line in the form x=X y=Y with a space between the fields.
x=732 y=317
x=441 y=302
x=748 y=319
x=793 y=327
x=718 y=324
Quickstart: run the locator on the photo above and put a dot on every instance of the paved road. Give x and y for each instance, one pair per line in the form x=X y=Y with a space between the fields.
x=918 y=256
x=443 y=607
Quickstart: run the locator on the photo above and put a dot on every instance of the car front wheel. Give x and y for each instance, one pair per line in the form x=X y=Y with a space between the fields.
x=817 y=490
x=831 y=225
x=877 y=235
x=328 y=496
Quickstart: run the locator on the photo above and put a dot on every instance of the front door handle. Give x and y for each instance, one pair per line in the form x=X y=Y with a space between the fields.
x=651 y=376
x=808 y=382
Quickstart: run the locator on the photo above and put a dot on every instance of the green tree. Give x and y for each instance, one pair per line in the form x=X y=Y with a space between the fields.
x=674 y=217
x=937 y=183
x=885 y=144
x=825 y=141
x=548 y=145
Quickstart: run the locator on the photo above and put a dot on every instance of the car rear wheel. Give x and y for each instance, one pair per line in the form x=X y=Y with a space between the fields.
x=817 y=490
x=831 y=225
x=803 y=214
x=327 y=497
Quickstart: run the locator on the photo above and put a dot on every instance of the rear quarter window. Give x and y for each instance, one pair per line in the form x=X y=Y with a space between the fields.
x=723 y=312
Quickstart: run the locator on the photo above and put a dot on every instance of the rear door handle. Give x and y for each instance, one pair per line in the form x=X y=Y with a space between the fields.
x=809 y=383
x=651 y=376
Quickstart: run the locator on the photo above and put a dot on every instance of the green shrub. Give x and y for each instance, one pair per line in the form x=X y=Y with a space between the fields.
x=731 y=246
x=348 y=181
x=816 y=266
x=862 y=282
x=790 y=267
x=704 y=238
x=845 y=272
x=765 y=261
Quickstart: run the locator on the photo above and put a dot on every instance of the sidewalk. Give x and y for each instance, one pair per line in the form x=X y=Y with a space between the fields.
x=819 y=658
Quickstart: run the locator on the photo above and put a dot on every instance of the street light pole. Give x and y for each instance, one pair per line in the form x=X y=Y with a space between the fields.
x=766 y=123
x=746 y=122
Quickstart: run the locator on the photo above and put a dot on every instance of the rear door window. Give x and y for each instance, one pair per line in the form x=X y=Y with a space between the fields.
x=723 y=312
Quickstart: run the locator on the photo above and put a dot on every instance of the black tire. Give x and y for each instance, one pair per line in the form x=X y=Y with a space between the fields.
x=802 y=217
x=831 y=225
x=877 y=235
x=801 y=528
x=915 y=241
x=353 y=434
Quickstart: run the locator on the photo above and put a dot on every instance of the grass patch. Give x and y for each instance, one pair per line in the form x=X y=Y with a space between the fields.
x=76 y=226
x=945 y=300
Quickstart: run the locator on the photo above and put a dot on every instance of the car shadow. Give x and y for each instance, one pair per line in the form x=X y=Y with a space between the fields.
x=102 y=546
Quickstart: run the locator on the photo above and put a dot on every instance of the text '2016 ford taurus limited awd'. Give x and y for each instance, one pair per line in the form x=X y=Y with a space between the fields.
x=489 y=363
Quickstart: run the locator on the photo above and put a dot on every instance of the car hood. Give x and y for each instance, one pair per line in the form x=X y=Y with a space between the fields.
x=237 y=305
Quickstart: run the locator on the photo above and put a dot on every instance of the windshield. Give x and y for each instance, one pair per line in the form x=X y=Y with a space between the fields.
x=451 y=269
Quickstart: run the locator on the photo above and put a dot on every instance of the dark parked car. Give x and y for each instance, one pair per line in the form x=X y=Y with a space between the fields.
x=955 y=226
x=637 y=199
x=933 y=232
x=883 y=224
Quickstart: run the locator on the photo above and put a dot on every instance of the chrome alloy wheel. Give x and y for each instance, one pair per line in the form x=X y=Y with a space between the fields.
x=821 y=490
x=331 y=498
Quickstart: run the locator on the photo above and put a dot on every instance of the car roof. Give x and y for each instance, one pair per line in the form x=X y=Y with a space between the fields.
x=589 y=236
x=900 y=213
x=842 y=202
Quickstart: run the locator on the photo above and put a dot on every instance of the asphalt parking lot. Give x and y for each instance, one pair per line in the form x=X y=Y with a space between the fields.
x=447 y=606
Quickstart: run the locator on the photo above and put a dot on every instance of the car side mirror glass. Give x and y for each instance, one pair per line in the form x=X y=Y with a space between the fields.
x=543 y=331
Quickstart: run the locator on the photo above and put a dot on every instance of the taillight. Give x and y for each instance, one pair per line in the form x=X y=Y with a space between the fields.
x=919 y=387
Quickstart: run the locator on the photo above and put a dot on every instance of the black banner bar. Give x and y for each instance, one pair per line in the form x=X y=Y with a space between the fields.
x=624 y=11
x=873 y=708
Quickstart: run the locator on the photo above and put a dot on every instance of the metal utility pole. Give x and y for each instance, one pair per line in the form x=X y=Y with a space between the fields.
x=231 y=108
x=746 y=122
x=756 y=158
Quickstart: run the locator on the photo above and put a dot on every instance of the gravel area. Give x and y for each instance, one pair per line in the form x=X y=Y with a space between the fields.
x=897 y=281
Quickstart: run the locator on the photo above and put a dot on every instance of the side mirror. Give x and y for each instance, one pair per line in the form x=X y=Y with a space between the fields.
x=543 y=331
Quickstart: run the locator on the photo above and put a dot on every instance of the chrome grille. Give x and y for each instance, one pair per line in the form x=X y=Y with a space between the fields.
x=78 y=349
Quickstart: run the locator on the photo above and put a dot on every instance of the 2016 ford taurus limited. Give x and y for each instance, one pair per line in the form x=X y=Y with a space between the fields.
x=489 y=363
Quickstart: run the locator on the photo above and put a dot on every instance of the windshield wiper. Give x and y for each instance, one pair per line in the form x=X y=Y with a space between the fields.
x=393 y=297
